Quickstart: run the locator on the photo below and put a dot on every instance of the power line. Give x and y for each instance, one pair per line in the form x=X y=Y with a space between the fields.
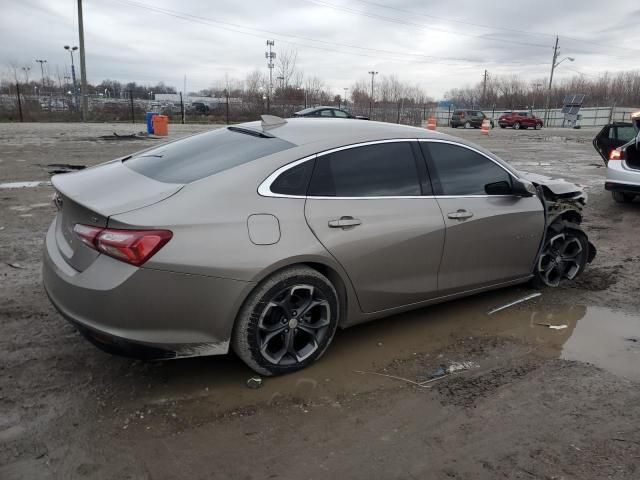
x=232 y=27
x=455 y=32
x=420 y=25
x=493 y=27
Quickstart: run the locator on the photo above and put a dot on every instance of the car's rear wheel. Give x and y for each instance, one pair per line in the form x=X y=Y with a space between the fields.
x=622 y=197
x=287 y=322
x=564 y=256
x=503 y=126
x=467 y=125
x=537 y=126
x=516 y=126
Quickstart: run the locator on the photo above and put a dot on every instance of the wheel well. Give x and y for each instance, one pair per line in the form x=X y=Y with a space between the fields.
x=571 y=216
x=335 y=278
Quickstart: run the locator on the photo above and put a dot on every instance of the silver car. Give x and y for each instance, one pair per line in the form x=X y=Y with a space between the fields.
x=266 y=237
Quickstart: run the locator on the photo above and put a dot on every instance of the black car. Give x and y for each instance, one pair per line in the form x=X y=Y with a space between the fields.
x=327 y=112
x=468 y=119
x=200 y=108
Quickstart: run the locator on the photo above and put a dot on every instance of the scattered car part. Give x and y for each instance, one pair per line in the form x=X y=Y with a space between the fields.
x=515 y=302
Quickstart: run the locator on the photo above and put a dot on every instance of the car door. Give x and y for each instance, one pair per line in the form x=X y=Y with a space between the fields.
x=611 y=137
x=369 y=206
x=489 y=238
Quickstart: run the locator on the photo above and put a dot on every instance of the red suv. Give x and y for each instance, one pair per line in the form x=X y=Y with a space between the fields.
x=519 y=120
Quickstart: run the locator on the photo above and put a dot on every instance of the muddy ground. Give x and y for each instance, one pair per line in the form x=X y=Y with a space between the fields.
x=542 y=403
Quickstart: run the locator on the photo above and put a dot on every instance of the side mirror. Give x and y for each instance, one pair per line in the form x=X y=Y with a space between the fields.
x=523 y=188
x=498 y=188
x=518 y=188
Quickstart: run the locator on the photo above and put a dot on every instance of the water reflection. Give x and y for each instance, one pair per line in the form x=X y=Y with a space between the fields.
x=593 y=334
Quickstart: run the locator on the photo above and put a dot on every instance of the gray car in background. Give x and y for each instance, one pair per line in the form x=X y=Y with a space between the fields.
x=266 y=237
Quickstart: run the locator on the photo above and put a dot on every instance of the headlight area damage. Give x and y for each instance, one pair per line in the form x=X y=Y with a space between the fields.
x=565 y=249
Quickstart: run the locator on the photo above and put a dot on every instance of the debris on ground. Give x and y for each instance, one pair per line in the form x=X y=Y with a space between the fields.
x=133 y=136
x=16 y=265
x=24 y=184
x=55 y=168
x=553 y=327
x=515 y=302
x=441 y=372
x=254 y=382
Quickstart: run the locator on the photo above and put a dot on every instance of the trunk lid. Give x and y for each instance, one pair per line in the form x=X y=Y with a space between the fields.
x=91 y=196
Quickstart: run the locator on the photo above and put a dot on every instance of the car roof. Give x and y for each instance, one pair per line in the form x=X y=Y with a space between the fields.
x=338 y=132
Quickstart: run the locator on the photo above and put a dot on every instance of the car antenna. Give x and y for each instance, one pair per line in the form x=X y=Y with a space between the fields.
x=271 y=121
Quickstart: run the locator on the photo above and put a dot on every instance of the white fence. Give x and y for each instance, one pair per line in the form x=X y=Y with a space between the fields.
x=591 y=116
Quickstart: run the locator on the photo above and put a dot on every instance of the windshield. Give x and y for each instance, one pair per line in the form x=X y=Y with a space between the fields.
x=199 y=156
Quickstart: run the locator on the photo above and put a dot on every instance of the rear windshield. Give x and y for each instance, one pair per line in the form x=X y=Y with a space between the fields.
x=199 y=156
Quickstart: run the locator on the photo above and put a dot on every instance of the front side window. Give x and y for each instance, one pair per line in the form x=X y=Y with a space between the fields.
x=461 y=171
x=380 y=170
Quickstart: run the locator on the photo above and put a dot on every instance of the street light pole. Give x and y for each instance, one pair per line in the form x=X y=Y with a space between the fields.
x=554 y=65
x=41 y=62
x=373 y=74
x=73 y=74
x=345 y=96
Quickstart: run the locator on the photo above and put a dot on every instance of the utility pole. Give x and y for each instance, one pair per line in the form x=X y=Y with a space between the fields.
x=373 y=74
x=345 y=96
x=484 y=87
x=553 y=67
x=41 y=62
x=83 y=66
x=270 y=56
x=19 y=102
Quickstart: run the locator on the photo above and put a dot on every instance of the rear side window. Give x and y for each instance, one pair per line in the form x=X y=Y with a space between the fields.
x=461 y=171
x=381 y=170
x=294 y=181
x=200 y=156
x=626 y=134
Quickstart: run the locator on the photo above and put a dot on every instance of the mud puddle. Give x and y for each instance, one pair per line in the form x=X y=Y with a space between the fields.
x=606 y=338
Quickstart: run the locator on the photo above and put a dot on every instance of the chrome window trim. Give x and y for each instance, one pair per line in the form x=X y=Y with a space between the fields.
x=437 y=140
x=264 y=189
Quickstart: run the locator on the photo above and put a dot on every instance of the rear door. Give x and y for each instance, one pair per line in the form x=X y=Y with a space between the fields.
x=365 y=204
x=611 y=137
x=489 y=238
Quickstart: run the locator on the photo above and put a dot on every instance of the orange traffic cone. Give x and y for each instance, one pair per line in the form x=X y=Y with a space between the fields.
x=484 y=129
x=431 y=123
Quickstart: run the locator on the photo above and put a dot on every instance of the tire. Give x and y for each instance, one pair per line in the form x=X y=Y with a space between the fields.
x=537 y=126
x=622 y=197
x=503 y=126
x=564 y=255
x=467 y=124
x=516 y=126
x=273 y=335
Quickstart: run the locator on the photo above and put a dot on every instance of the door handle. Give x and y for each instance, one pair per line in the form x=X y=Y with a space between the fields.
x=460 y=215
x=344 y=222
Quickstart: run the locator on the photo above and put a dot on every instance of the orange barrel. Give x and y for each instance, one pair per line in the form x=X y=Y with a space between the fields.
x=431 y=123
x=486 y=125
x=161 y=125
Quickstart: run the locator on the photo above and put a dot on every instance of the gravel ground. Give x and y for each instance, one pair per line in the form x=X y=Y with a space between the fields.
x=537 y=404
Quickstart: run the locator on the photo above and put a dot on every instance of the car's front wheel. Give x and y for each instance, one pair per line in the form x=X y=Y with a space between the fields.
x=516 y=126
x=467 y=124
x=287 y=322
x=564 y=256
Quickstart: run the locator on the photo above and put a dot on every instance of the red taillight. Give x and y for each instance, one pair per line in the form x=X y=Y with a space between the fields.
x=130 y=246
x=461 y=114
x=616 y=154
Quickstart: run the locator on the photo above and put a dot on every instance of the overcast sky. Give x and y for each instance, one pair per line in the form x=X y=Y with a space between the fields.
x=437 y=44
